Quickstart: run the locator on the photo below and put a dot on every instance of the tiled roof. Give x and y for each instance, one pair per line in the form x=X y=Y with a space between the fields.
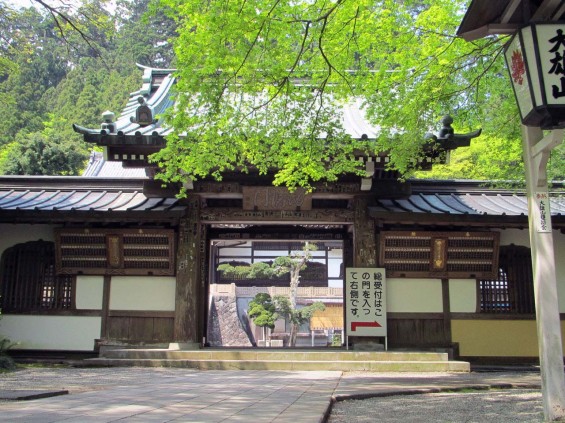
x=141 y=130
x=156 y=90
x=456 y=200
x=112 y=199
x=64 y=196
x=157 y=84
x=99 y=167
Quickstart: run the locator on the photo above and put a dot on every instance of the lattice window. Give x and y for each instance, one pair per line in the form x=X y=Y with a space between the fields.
x=29 y=280
x=513 y=290
x=120 y=251
x=439 y=254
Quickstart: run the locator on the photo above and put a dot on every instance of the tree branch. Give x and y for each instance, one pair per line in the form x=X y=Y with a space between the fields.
x=60 y=18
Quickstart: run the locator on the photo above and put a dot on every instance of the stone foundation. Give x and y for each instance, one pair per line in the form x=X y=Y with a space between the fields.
x=224 y=326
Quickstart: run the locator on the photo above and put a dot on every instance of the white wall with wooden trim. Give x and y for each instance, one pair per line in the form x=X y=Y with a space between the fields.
x=148 y=293
x=463 y=295
x=414 y=295
x=89 y=292
x=73 y=333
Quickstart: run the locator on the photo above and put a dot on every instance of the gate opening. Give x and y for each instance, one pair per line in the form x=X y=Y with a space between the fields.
x=236 y=320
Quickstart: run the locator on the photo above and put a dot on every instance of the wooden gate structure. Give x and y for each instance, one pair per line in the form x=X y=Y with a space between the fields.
x=136 y=259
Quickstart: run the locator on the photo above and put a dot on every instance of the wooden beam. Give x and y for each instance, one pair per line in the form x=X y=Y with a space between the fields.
x=547 y=11
x=509 y=11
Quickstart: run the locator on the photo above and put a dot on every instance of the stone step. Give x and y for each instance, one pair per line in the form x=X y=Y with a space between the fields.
x=273 y=355
x=281 y=359
x=289 y=365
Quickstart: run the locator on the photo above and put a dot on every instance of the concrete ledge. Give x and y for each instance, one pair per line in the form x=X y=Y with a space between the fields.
x=306 y=365
x=184 y=346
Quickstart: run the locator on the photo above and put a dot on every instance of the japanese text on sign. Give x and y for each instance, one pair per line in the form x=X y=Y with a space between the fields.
x=365 y=298
x=558 y=62
x=543 y=214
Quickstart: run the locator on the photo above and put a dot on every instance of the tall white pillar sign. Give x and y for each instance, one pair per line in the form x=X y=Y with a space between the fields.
x=536 y=154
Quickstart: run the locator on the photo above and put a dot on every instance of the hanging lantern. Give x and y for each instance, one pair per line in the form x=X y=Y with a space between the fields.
x=535 y=58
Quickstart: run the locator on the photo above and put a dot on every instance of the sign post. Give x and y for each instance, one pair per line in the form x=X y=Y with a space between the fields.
x=543 y=265
x=535 y=60
x=365 y=302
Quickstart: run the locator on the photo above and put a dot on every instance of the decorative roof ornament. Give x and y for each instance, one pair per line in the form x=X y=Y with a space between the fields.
x=108 y=122
x=143 y=113
x=447 y=139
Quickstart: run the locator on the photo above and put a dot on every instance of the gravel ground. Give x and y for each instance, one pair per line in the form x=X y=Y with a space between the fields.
x=501 y=406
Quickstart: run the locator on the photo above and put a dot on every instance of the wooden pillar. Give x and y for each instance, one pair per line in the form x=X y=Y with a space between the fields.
x=187 y=297
x=446 y=312
x=364 y=255
x=364 y=238
x=105 y=306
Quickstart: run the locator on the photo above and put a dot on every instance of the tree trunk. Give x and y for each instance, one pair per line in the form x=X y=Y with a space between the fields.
x=294 y=281
x=293 y=333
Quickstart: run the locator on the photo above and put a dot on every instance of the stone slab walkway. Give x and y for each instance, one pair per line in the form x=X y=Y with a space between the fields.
x=183 y=395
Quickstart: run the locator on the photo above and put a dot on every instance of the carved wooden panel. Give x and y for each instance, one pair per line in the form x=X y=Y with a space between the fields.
x=318 y=216
x=439 y=254
x=275 y=198
x=115 y=251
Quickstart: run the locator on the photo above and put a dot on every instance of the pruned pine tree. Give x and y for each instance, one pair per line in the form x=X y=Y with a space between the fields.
x=292 y=264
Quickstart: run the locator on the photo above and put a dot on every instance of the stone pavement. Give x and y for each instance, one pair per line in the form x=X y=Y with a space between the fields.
x=184 y=395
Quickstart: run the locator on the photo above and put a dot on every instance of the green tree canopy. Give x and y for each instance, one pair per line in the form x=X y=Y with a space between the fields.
x=260 y=82
x=262 y=311
x=42 y=153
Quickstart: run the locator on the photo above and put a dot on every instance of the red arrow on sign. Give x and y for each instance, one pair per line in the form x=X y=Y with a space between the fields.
x=355 y=325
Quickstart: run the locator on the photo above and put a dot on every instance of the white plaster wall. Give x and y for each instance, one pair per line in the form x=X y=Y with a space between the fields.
x=15 y=234
x=414 y=295
x=463 y=295
x=515 y=236
x=89 y=292
x=76 y=333
x=234 y=252
x=153 y=293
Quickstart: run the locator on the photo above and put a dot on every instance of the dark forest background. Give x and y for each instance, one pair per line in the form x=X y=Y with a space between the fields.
x=56 y=71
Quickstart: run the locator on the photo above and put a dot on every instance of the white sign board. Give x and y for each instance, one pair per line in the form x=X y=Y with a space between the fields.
x=516 y=63
x=542 y=213
x=551 y=42
x=536 y=60
x=365 y=301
